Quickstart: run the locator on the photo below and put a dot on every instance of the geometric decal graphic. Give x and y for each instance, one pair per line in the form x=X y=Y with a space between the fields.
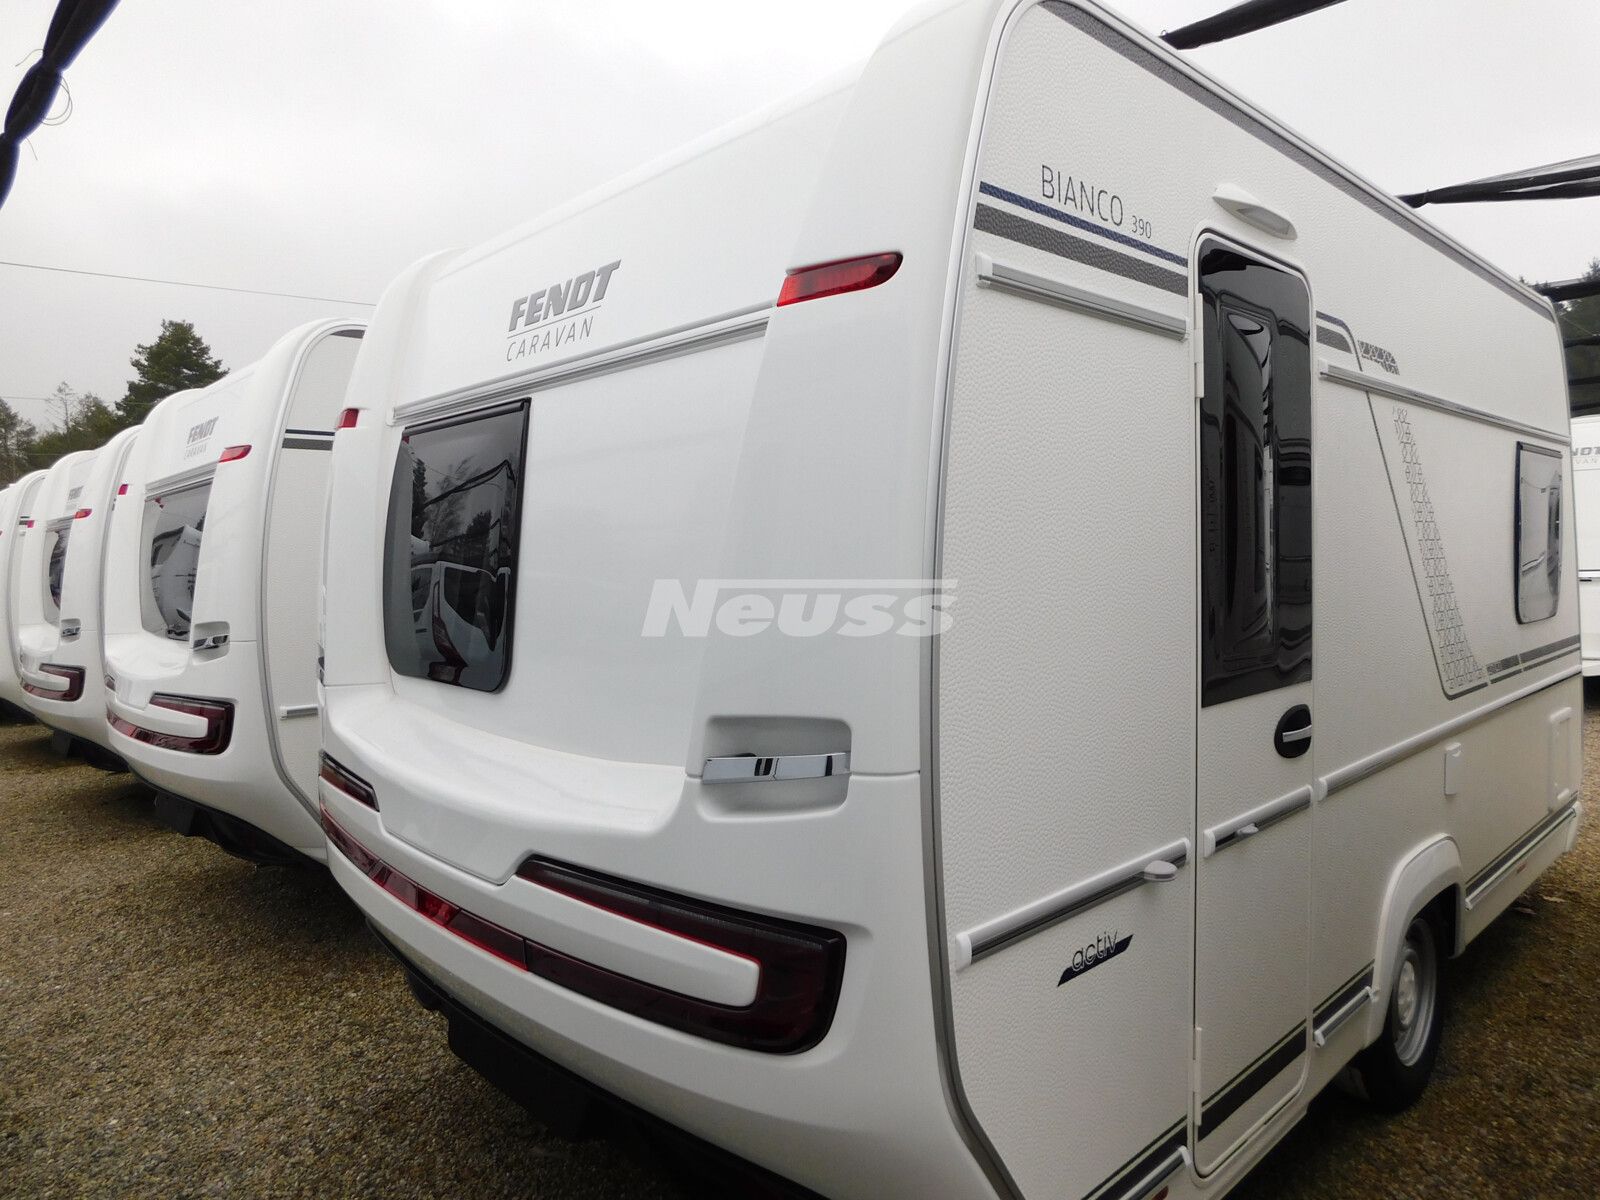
x=1457 y=664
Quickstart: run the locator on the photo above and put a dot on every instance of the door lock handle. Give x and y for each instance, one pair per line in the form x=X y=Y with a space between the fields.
x=1292 y=737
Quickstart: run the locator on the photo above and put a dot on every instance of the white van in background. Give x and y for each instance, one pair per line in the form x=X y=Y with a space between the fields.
x=211 y=598
x=1035 y=338
x=14 y=516
x=52 y=689
x=1586 y=513
x=71 y=642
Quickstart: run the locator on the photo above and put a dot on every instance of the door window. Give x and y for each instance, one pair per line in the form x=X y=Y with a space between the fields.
x=1255 y=478
x=174 y=524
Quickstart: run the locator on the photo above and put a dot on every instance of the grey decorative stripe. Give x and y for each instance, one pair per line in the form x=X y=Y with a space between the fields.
x=304 y=443
x=1058 y=242
x=1332 y=337
x=1459 y=670
x=1388 y=208
x=1126 y=1181
x=1515 y=664
x=1490 y=877
x=1236 y=1093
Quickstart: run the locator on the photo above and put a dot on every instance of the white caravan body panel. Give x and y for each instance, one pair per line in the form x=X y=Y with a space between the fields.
x=1068 y=838
x=211 y=584
x=15 y=504
x=1586 y=517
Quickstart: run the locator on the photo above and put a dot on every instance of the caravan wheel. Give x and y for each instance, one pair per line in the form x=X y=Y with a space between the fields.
x=1392 y=1072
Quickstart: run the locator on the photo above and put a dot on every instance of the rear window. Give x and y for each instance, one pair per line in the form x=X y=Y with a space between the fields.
x=56 y=534
x=451 y=555
x=173 y=526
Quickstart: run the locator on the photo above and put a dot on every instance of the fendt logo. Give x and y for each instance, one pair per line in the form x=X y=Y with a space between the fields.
x=557 y=315
x=199 y=435
x=1586 y=458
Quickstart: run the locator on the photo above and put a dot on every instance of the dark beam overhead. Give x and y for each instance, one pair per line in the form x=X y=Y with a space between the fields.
x=1241 y=19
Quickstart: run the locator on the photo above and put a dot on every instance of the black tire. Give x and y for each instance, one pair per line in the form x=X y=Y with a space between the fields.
x=1392 y=1073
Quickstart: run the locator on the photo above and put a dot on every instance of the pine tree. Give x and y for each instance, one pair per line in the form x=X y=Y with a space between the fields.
x=177 y=360
x=1580 y=321
x=16 y=445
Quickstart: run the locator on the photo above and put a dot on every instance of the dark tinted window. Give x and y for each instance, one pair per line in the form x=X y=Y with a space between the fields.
x=173 y=526
x=1255 y=478
x=454 y=512
x=56 y=535
x=1538 y=533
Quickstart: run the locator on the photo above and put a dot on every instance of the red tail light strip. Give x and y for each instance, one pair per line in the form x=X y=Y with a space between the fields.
x=801 y=966
x=347 y=781
x=233 y=453
x=349 y=418
x=218 y=715
x=73 y=676
x=833 y=278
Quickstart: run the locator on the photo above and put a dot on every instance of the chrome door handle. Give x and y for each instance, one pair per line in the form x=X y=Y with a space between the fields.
x=750 y=768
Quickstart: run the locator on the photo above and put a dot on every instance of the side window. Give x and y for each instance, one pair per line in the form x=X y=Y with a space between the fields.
x=1538 y=532
x=1255 y=478
x=451 y=553
x=57 y=533
x=173 y=527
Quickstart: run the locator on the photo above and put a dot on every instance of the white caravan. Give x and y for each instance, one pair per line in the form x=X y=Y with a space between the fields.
x=67 y=644
x=43 y=628
x=1586 y=505
x=211 y=586
x=1033 y=337
x=15 y=502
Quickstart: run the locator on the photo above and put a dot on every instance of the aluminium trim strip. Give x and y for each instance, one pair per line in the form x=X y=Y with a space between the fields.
x=1336 y=1019
x=180 y=480
x=1231 y=832
x=1395 y=391
x=687 y=339
x=1006 y=278
x=1493 y=876
x=1363 y=768
x=995 y=934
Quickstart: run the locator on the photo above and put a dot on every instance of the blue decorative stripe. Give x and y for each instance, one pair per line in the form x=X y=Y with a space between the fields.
x=1066 y=218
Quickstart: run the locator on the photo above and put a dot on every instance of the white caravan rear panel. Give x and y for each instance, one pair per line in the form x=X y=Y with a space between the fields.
x=211 y=592
x=45 y=547
x=15 y=502
x=1103 y=936
x=78 y=629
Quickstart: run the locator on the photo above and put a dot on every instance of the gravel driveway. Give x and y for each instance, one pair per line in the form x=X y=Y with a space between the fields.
x=178 y=1023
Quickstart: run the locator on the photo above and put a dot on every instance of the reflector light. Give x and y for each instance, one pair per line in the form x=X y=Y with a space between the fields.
x=833 y=278
x=82 y=513
x=233 y=453
x=346 y=781
x=485 y=935
x=218 y=715
x=348 y=418
x=122 y=489
x=801 y=965
x=73 y=676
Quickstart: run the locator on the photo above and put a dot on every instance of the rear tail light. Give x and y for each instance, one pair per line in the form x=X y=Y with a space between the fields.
x=486 y=935
x=801 y=965
x=82 y=513
x=833 y=278
x=348 y=419
x=233 y=453
x=346 y=781
x=218 y=715
x=73 y=676
x=122 y=489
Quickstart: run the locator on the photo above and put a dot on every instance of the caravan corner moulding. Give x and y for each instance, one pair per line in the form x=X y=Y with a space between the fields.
x=211 y=597
x=1127 y=551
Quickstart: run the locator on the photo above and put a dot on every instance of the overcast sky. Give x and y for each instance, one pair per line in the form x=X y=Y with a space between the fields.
x=318 y=146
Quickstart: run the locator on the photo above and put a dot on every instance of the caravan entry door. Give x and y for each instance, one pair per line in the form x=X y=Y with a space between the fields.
x=1253 y=736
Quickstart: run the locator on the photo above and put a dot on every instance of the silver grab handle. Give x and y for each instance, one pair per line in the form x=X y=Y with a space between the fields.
x=750 y=768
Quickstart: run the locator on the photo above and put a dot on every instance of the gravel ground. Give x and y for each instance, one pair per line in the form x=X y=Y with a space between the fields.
x=177 y=1023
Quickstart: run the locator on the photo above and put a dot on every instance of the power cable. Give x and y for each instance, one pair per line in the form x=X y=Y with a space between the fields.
x=213 y=287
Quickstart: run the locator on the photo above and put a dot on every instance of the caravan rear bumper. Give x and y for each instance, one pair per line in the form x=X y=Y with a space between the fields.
x=862 y=1113
x=241 y=781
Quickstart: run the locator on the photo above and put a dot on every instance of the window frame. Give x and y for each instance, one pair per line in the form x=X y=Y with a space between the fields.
x=1551 y=544
x=518 y=462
